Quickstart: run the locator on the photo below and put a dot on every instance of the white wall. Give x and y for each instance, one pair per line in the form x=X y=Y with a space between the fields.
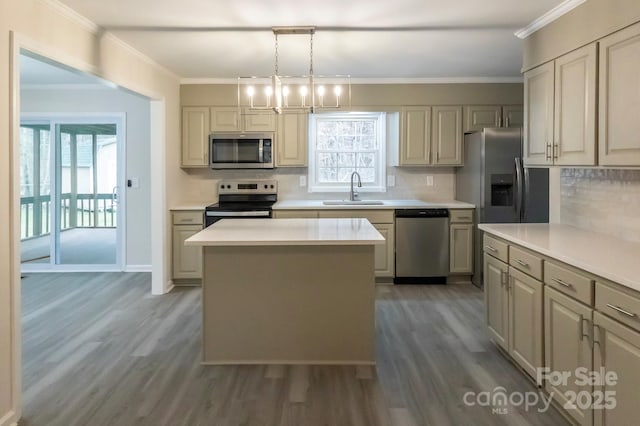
x=136 y=108
x=50 y=29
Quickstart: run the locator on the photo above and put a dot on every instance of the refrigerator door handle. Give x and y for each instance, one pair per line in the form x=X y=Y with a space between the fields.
x=519 y=187
x=527 y=195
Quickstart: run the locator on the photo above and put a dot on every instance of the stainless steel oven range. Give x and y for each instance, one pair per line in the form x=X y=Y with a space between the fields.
x=243 y=199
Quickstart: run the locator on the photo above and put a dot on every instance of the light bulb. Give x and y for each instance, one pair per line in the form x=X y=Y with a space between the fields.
x=337 y=90
x=321 y=90
x=268 y=90
x=285 y=91
x=303 y=90
x=250 y=91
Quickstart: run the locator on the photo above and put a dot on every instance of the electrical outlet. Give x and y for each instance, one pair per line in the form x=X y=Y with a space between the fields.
x=303 y=181
x=391 y=181
x=429 y=180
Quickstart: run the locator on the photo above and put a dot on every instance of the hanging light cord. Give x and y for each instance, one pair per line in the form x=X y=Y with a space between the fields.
x=276 y=34
x=311 y=53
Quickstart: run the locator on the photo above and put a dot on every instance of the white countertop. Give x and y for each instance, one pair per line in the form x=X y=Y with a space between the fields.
x=285 y=232
x=388 y=205
x=608 y=257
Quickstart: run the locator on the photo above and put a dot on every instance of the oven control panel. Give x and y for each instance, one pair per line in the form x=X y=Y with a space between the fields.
x=268 y=186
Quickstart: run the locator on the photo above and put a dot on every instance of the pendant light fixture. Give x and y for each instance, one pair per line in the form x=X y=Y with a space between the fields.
x=303 y=92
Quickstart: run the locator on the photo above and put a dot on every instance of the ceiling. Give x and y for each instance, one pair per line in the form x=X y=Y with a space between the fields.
x=378 y=39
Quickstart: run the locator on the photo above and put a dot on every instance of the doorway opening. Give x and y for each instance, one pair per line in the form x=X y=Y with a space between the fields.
x=70 y=210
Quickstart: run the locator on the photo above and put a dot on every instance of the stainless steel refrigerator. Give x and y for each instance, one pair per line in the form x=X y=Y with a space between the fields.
x=502 y=190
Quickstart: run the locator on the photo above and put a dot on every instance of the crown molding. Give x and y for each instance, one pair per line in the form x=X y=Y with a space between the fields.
x=140 y=55
x=391 y=80
x=548 y=18
x=74 y=16
x=94 y=28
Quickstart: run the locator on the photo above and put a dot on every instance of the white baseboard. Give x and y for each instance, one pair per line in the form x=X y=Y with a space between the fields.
x=9 y=419
x=137 y=268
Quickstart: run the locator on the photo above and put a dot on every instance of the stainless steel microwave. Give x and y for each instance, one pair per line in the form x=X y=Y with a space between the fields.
x=241 y=150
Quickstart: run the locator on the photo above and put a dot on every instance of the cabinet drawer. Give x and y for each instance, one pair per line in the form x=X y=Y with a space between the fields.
x=461 y=216
x=569 y=281
x=619 y=305
x=527 y=262
x=374 y=216
x=295 y=214
x=188 y=218
x=496 y=248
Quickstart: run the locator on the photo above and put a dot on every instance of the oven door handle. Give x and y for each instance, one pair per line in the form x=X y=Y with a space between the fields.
x=239 y=214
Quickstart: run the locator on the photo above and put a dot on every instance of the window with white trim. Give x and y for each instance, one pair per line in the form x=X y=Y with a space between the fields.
x=341 y=143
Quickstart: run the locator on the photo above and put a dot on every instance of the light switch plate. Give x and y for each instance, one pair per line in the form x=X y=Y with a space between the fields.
x=303 y=181
x=391 y=181
x=135 y=182
x=429 y=180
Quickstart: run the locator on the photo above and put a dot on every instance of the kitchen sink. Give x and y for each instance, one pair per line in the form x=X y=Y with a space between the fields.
x=353 y=203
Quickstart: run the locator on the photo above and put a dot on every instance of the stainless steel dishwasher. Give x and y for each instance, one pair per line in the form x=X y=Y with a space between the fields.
x=422 y=246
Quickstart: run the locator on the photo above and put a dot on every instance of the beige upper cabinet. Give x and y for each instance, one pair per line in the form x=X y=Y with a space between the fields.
x=259 y=121
x=619 y=100
x=195 y=137
x=567 y=347
x=477 y=117
x=233 y=119
x=292 y=139
x=538 y=115
x=415 y=136
x=446 y=139
x=575 y=108
x=525 y=321
x=618 y=350
x=225 y=119
x=512 y=116
x=497 y=300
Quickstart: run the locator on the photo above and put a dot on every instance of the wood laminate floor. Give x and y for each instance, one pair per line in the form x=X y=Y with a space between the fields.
x=98 y=349
x=78 y=246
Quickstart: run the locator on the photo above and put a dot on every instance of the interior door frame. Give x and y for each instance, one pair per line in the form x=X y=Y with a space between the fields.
x=54 y=119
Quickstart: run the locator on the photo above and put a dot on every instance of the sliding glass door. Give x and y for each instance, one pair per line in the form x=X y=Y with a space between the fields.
x=80 y=210
x=35 y=192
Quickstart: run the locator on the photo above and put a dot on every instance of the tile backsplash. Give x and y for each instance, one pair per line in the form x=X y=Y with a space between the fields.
x=602 y=200
x=410 y=183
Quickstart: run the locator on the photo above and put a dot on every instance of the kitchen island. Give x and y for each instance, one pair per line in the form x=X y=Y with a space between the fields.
x=288 y=291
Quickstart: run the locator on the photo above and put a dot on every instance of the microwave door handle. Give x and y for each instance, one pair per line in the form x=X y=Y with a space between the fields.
x=261 y=151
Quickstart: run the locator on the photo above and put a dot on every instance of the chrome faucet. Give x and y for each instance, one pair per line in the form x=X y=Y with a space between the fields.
x=354 y=196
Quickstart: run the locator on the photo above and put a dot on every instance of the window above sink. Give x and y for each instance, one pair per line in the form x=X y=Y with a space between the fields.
x=341 y=143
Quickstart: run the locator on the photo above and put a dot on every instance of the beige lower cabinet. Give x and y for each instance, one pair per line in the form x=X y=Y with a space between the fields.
x=587 y=335
x=567 y=348
x=525 y=321
x=186 y=260
x=496 y=295
x=461 y=248
x=618 y=351
x=461 y=242
x=385 y=254
x=514 y=313
x=382 y=220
